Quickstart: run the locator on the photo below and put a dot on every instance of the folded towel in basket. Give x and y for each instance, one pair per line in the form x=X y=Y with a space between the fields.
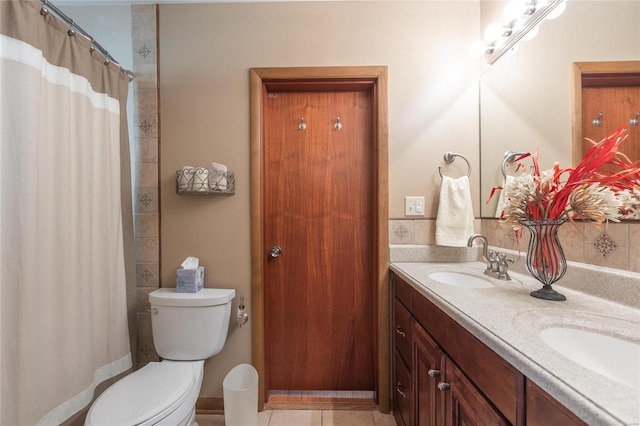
x=454 y=223
x=218 y=177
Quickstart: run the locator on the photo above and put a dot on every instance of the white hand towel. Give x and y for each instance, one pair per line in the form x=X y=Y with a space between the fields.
x=218 y=177
x=185 y=178
x=508 y=180
x=201 y=179
x=454 y=223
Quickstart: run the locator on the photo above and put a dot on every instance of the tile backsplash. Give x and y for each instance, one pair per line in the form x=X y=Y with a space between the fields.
x=144 y=143
x=613 y=245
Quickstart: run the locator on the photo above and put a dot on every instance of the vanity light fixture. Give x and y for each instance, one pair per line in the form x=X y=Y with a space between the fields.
x=521 y=17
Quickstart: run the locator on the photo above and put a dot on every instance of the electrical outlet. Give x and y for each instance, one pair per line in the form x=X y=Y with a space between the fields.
x=414 y=206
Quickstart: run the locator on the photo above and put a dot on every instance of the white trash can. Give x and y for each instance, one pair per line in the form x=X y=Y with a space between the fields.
x=240 y=388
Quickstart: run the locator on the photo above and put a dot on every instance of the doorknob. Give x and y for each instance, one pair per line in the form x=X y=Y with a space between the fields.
x=275 y=251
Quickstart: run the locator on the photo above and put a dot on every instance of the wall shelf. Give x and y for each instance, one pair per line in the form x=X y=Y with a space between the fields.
x=195 y=182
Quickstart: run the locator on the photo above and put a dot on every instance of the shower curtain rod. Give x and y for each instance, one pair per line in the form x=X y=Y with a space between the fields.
x=75 y=28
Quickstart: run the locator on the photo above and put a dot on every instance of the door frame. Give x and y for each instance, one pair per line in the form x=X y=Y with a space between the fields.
x=331 y=78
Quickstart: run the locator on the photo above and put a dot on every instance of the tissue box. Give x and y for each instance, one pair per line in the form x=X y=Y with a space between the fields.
x=189 y=280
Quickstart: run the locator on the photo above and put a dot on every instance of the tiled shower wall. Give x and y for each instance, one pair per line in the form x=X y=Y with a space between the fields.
x=145 y=171
x=615 y=245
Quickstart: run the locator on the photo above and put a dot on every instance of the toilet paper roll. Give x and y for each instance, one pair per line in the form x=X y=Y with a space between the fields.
x=201 y=179
x=185 y=178
x=218 y=177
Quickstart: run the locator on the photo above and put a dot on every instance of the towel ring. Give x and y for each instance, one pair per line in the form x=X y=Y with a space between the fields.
x=509 y=157
x=449 y=157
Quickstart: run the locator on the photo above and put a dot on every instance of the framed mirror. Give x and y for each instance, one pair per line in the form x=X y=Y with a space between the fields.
x=526 y=96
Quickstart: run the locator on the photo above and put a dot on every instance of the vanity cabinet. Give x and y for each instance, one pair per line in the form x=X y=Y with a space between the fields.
x=450 y=377
x=543 y=409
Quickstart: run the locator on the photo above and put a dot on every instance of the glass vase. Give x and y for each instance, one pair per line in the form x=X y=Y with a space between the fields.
x=545 y=259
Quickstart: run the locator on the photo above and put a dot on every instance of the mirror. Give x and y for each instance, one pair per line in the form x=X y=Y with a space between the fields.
x=525 y=96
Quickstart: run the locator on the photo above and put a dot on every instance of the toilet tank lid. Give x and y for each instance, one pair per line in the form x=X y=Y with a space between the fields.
x=205 y=297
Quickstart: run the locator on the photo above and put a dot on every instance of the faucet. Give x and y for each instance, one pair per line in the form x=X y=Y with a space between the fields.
x=485 y=244
x=497 y=263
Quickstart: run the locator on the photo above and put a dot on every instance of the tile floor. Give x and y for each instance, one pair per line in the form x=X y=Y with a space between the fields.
x=309 y=418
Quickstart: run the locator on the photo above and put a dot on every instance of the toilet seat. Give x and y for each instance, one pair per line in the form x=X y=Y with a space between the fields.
x=149 y=395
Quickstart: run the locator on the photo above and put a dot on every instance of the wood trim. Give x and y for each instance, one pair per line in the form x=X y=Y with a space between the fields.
x=580 y=70
x=209 y=406
x=377 y=76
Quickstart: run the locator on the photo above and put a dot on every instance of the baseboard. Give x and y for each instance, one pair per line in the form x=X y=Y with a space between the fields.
x=209 y=406
x=320 y=400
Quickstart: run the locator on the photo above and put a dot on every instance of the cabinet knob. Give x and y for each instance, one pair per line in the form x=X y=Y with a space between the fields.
x=443 y=386
x=434 y=373
x=400 y=331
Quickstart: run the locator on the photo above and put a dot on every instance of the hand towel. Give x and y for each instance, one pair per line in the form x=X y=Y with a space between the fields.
x=501 y=199
x=201 y=179
x=218 y=177
x=185 y=178
x=454 y=223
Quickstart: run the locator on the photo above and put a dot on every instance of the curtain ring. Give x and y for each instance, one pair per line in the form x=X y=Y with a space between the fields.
x=71 y=32
x=43 y=10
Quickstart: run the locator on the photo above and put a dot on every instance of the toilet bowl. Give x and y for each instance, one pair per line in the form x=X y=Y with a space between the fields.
x=160 y=393
x=187 y=329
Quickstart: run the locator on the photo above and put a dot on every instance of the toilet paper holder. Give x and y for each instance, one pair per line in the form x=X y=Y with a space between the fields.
x=241 y=317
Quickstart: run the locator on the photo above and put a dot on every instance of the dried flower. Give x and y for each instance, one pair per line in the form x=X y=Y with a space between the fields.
x=584 y=192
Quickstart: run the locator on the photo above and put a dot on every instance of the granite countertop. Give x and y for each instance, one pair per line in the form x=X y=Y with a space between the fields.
x=509 y=321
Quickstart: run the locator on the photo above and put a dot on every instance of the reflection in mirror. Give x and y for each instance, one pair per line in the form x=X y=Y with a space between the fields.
x=516 y=21
x=525 y=97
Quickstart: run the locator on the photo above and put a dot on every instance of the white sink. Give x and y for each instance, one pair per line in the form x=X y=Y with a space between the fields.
x=617 y=359
x=460 y=279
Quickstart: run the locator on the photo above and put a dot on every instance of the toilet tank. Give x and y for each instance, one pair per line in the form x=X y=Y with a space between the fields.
x=190 y=326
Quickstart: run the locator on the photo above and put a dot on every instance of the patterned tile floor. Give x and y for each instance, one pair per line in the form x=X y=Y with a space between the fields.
x=309 y=418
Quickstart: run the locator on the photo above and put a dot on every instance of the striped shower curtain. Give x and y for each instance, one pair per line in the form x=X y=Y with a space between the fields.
x=65 y=236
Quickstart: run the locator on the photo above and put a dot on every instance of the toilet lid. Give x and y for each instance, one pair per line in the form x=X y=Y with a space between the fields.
x=150 y=393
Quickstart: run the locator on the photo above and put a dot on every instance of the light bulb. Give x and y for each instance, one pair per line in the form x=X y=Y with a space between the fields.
x=493 y=32
x=477 y=49
x=514 y=10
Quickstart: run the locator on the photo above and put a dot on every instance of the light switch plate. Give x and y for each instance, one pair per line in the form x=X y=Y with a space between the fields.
x=414 y=206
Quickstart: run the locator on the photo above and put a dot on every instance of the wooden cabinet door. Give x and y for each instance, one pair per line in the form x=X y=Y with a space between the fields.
x=464 y=403
x=403 y=393
x=427 y=372
x=402 y=331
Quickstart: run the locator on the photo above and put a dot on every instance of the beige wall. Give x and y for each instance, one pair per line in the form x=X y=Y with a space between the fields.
x=206 y=51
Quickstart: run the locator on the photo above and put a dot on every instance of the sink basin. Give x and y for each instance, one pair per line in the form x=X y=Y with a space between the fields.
x=617 y=359
x=460 y=279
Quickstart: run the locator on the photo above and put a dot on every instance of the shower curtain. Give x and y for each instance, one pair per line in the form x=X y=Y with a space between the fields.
x=65 y=215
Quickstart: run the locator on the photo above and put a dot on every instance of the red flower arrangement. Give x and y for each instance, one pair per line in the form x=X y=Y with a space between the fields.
x=583 y=192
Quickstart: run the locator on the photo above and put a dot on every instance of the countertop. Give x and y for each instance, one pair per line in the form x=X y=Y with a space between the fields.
x=509 y=321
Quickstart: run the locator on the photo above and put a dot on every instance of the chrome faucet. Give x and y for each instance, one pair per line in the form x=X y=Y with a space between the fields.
x=497 y=263
x=485 y=244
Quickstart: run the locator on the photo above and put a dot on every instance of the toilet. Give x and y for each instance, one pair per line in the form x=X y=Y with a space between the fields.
x=187 y=329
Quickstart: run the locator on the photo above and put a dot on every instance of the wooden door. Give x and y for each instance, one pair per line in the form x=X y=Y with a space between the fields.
x=610 y=88
x=319 y=210
x=619 y=103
